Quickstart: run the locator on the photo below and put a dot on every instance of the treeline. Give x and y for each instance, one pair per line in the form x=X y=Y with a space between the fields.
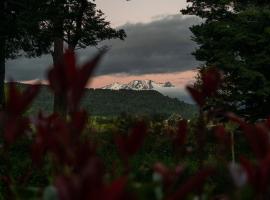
x=109 y=102
x=99 y=102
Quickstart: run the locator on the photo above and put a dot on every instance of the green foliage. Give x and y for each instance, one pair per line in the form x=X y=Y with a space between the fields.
x=234 y=37
x=18 y=29
x=101 y=102
x=78 y=23
x=19 y=32
x=108 y=102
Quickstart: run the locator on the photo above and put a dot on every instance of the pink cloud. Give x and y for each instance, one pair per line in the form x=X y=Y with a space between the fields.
x=180 y=79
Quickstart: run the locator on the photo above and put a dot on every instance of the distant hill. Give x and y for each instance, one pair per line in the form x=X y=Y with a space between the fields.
x=114 y=102
x=102 y=102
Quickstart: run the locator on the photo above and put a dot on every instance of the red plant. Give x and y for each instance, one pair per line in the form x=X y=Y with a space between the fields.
x=79 y=173
x=88 y=184
x=169 y=176
x=181 y=134
x=211 y=80
x=193 y=184
x=258 y=137
x=68 y=80
x=128 y=145
x=222 y=135
x=14 y=124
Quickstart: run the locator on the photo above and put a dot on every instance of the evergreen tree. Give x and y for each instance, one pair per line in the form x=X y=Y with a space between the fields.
x=234 y=37
x=77 y=23
x=17 y=34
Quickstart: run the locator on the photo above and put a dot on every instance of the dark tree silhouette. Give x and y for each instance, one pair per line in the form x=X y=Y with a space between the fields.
x=77 y=23
x=235 y=38
x=18 y=33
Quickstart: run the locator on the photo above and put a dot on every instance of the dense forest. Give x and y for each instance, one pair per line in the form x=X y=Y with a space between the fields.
x=100 y=102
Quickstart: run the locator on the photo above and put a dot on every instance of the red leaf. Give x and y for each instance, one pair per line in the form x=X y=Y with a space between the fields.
x=236 y=119
x=14 y=128
x=79 y=84
x=257 y=136
x=53 y=136
x=211 y=81
x=78 y=121
x=130 y=144
x=197 y=96
x=84 y=184
x=70 y=66
x=250 y=170
x=267 y=123
x=87 y=70
x=222 y=135
x=18 y=102
x=116 y=190
x=136 y=138
x=194 y=183
x=68 y=80
x=169 y=176
x=258 y=173
x=181 y=136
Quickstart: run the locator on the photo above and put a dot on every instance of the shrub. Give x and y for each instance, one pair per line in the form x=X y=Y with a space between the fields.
x=61 y=150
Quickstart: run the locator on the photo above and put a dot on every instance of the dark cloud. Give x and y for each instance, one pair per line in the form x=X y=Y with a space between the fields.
x=27 y=69
x=163 y=45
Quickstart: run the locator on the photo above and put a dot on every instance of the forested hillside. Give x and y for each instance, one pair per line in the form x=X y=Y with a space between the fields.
x=100 y=102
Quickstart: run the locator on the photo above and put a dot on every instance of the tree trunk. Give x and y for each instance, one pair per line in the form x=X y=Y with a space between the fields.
x=2 y=73
x=59 y=104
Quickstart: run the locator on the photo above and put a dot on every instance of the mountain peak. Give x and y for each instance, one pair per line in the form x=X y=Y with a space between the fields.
x=113 y=86
x=139 y=85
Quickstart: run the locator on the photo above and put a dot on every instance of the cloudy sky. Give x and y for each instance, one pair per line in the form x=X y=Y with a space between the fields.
x=157 y=46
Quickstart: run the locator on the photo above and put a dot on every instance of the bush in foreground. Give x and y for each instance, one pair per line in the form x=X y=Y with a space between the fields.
x=63 y=162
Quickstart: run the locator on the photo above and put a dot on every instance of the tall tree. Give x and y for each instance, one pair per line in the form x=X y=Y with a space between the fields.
x=77 y=23
x=17 y=33
x=234 y=37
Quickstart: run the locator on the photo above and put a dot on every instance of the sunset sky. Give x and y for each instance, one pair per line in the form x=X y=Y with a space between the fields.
x=158 y=45
x=121 y=12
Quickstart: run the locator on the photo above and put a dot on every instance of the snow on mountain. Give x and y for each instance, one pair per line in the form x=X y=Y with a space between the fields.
x=139 y=85
x=114 y=86
x=167 y=88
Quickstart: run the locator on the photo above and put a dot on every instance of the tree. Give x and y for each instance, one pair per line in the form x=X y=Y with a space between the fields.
x=77 y=23
x=234 y=37
x=17 y=34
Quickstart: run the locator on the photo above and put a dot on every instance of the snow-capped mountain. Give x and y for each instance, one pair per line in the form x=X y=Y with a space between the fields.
x=114 y=86
x=167 y=88
x=139 y=85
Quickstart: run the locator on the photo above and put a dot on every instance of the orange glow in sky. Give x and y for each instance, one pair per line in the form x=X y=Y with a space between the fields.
x=180 y=79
